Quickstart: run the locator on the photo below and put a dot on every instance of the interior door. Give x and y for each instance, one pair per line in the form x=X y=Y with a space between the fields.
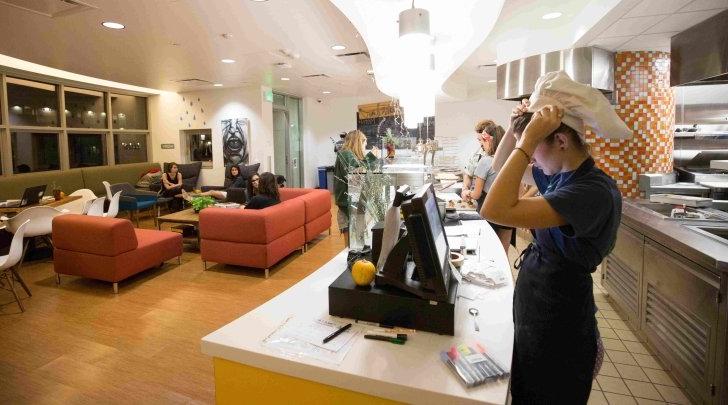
x=287 y=142
x=280 y=141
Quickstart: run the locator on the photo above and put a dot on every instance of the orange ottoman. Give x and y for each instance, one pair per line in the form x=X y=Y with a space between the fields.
x=108 y=249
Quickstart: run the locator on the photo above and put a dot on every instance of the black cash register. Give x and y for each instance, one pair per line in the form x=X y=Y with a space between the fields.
x=415 y=288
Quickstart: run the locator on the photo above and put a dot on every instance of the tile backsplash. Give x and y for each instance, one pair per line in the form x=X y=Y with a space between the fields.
x=645 y=101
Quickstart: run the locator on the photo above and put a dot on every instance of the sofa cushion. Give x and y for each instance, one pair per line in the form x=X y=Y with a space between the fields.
x=288 y=193
x=93 y=235
x=252 y=226
x=252 y=254
x=14 y=186
x=127 y=173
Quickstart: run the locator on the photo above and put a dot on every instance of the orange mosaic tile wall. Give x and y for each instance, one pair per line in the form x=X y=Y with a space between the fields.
x=645 y=101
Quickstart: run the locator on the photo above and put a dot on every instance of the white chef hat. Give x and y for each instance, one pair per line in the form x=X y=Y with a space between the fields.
x=582 y=105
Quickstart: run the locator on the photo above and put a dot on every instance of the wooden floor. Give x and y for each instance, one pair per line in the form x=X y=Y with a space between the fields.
x=80 y=343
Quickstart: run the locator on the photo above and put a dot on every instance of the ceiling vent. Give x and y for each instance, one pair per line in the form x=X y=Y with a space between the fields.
x=354 y=57
x=282 y=65
x=50 y=8
x=193 y=82
x=317 y=76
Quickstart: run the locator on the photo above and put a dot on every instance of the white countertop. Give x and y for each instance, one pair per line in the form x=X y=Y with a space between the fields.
x=719 y=164
x=409 y=373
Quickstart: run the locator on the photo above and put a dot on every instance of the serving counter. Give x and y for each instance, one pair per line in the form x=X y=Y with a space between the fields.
x=372 y=371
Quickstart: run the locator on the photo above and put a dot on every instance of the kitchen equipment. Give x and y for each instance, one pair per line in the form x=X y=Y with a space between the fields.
x=686 y=200
x=718 y=189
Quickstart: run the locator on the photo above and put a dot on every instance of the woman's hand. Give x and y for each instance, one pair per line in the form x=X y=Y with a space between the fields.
x=520 y=109
x=544 y=122
x=465 y=193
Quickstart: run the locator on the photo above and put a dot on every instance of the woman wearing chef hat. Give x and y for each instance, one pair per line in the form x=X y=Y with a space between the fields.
x=574 y=223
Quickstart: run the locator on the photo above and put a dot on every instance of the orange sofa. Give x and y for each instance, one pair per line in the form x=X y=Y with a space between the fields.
x=262 y=238
x=108 y=249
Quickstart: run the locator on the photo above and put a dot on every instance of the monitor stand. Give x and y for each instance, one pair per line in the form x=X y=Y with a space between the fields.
x=400 y=271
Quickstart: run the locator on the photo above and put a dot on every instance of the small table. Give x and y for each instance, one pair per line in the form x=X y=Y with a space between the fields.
x=186 y=217
x=51 y=203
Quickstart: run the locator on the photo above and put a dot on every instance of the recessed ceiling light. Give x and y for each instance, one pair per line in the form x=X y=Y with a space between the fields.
x=338 y=47
x=326 y=92
x=491 y=81
x=227 y=60
x=285 y=79
x=217 y=84
x=551 y=16
x=370 y=71
x=259 y=1
x=113 y=25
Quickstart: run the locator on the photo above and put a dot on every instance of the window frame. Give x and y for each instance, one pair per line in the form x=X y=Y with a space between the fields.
x=6 y=159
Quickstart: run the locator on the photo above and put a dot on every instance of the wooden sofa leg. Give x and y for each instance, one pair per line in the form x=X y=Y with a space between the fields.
x=267 y=273
x=58 y=279
x=179 y=260
x=204 y=265
x=304 y=249
x=116 y=288
x=329 y=231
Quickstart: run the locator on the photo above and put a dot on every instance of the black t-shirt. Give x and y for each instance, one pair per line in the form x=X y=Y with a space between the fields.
x=590 y=202
x=260 y=201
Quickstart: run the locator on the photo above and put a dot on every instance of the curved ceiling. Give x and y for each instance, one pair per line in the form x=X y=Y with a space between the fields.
x=170 y=40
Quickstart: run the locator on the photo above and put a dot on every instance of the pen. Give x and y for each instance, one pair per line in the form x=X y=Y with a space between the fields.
x=341 y=330
x=385 y=339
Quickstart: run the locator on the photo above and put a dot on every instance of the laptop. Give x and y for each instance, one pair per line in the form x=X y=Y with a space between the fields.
x=32 y=195
x=237 y=195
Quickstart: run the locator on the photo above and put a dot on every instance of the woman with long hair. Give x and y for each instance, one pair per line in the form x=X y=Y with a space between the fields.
x=350 y=158
x=484 y=175
x=266 y=192
x=472 y=163
x=234 y=180
x=574 y=222
x=253 y=185
x=172 y=185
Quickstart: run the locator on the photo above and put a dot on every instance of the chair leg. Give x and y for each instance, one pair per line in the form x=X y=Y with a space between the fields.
x=49 y=241
x=58 y=279
x=15 y=294
x=116 y=288
x=329 y=231
x=21 y=281
x=204 y=265
x=179 y=260
x=267 y=273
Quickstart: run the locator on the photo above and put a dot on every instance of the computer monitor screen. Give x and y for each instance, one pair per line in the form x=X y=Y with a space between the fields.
x=429 y=241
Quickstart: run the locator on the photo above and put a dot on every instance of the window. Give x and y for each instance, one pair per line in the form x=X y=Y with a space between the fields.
x=32 y=103
x=84 y=108
x=130 y=148
x=85 y=150
x=34 y=151
x=198 y=143
x=128 y=112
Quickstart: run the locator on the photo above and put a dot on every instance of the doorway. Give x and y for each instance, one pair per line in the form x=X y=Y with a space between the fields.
x=287 y=139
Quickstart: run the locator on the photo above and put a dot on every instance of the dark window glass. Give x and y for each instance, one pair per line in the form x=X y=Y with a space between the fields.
x=32 y=103
x=128 y=112
x=130 y=148
x=84 y=108
x=34 y=151
x=86 y=150
x=199 y=147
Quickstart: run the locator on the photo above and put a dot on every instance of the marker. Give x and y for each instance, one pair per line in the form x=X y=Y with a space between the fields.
x=385 y=339
x=341 y=330
x=393 y=335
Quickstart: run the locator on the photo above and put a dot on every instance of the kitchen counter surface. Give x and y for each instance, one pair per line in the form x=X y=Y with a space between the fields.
x=673 y=234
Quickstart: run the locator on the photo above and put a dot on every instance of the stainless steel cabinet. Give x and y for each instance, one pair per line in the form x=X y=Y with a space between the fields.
x=622 y=272
x=679 y=317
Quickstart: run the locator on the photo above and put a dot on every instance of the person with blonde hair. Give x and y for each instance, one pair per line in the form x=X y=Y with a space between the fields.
x=350 y=158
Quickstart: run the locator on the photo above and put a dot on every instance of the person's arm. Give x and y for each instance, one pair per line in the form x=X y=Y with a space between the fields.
x=179 y=180
x=167 y=185
x=508 y=143
x=502 y=204
x=477 y=189
x=466 y=186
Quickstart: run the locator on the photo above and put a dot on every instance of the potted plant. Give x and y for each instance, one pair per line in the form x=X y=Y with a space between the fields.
x=390 y=143
x=199 y=203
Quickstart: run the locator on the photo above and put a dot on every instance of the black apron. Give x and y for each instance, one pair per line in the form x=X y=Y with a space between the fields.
x=555 y=342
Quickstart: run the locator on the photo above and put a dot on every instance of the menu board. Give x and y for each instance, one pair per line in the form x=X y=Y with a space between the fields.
x=374 y=120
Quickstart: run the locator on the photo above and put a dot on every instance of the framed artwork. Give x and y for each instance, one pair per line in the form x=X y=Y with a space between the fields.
x=236 y=141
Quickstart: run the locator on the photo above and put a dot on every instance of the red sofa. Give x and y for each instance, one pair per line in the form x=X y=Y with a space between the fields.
x=108 y=249
x=262 y=238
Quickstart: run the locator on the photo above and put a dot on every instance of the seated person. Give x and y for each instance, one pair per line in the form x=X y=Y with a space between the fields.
x=172 y=184
x=265 y=191
x=236 y=181
x=280 y=180
x=252 y=189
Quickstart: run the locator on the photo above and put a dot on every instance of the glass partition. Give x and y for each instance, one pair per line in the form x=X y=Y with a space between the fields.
x=32 y=103
x=128 y=112
x=130 y=148
x=34 y=151
x=84 y=108
x=86 y=150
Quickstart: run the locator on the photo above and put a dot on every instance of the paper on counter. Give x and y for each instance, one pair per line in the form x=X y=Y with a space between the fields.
x=303 y=337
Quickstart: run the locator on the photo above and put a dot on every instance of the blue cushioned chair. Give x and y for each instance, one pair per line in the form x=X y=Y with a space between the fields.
x=134 y=200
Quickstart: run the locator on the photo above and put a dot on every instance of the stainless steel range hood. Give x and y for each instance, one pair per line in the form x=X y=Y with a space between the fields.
x=699 y=55
x=588 y=65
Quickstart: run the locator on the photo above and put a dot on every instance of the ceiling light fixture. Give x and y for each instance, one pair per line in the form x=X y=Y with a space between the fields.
x=227 y=60
x=326 y=92
x=338 y=47
x=285 y=79
x=217 y=84
x=491 y=81
x=552 y=16
x=113 y=25
x=259 y=1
